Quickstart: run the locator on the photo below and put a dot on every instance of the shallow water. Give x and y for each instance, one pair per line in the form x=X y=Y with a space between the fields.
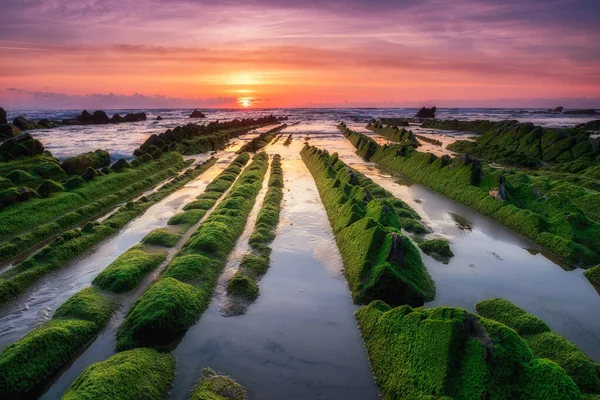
x=491 y=260
x=299 y=340
x=37 y=304
x=121 y=139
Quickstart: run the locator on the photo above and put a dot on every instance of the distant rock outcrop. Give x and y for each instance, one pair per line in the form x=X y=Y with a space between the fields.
x=426 y=112
x=46 y=123
x=159 y=118
x=556 y=110
x=24 y=124
x=3 y=119
x=590 y=125
x=197 y=114
x=590 y=111
x=99 y=117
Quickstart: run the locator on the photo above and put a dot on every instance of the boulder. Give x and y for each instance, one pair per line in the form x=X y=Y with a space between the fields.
x=582 y=112
x=197 y=114
x=23 y=145
x=89 y=174
x=159 y=118
x=24 y=124
x=134 y=117
x=46 y=123
x=426 y=112
x=556 y=110
x=48 y=187
x=80 y=164
x=8 y=130
x=100 y=117
x=3 y=119
x=120 y=164
x=590 y=125
x=15 y=195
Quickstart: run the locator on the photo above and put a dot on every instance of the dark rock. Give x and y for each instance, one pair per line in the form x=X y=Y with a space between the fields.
x=397 y=249
x=556 y=110
x=590 y=125
x=99 y=117
x=581 y=112
x=134 y=117
x=116 y=119
x=46 y=123
x=426 y=112
x=159 y=118
x=15 y=195
x=48 y=187
x=8 y=130
x=106 y=171
x=139 y=152
x=501 y=188
x=89 y=174
x=23 y=145
x=73 y=182
x=465 y=159
x=80 y=164
x=3 y=119
x=197 y=114
x=25 y=124
x=120 y=164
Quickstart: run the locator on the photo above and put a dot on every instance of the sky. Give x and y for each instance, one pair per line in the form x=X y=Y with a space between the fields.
x=280 y=53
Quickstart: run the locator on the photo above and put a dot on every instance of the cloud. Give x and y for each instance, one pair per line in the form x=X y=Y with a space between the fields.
x=25 y=99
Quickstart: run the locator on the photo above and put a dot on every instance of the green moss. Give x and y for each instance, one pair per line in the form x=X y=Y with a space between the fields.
x=48 y=187
x=64 y=249
x=545 y=343
x=212 y=386
x=546 y=207
x=134 y=374
x=175 y=302
x=161 y=237
x=243 y=287
x=446 y=352
x=437 y=248
x=128 y=270
x=507 y=313
x=47 y=348
x=261 y=140
x=593 y=274
x=379 y=262
x=77 y=165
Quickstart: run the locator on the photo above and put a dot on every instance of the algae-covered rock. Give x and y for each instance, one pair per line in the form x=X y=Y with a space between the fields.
x=89 y=174
x=77 y=165
x=120 y=164
x=212 y=386
x=8 y=130
x=23 y=145
x=438 y=249
x=73 y=182
x=593 y=274
x=135 y=374
x=446 y=352
x=544 y=343
x=243 y=287
x=590 y=125
x=48 y=187
x=49 y=170
x=24 y=124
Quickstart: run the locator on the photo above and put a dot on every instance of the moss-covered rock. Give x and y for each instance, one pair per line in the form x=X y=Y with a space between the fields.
x=243 y=287
x=48 y=347
x=127 y=271
x=380 y=263
x=447 y=352
x=48 y=187
x=135 y=374
x=79 y=164
x=593 y=274
x=161 y=237
x=212 y=386
x=545 y=343
x=438 y=249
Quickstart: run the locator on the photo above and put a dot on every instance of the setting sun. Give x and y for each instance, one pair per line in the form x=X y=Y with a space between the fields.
x=245 y=102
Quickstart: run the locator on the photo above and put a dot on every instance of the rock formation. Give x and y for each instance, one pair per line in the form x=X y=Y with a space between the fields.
x=197 y=114
x=590 y=111
x=426 y=112
x=3 y=116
